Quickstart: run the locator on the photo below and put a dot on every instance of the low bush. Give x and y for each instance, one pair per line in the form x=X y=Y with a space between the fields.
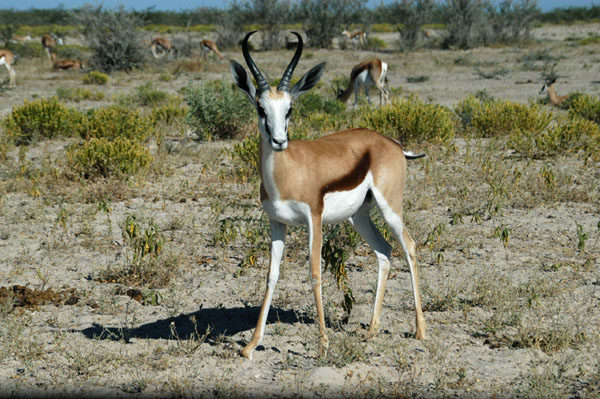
x=412 y=119
x=585 y=106
x=146 y=95
x=567 y=136
x=41 y=118
x=168 y=114
x=489 y=118
x=95 y=78
x=374 y=43
x=313 y=102
x=245 y=157
x=116 y=122
x=77 y=94
x=218 y=111
x=102 y=157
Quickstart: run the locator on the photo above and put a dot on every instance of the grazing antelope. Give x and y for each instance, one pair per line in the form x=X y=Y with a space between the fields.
x=368 y=73
x=162 y=44
x=356 y=38
x=7 y=58
x=66 y=64
x=554 y=98
x=49 y=42
x=207 y=46
x=328 y=180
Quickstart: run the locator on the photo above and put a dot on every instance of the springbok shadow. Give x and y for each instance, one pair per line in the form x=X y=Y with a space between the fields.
x=216 y=321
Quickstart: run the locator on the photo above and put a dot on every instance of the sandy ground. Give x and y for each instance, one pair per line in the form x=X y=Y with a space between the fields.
x=519 y=319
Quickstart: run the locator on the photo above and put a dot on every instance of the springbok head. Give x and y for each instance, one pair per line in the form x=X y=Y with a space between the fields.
x=549 y=83
x=274 y=105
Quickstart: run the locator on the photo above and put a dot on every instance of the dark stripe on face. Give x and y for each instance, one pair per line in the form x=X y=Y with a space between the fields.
x=350 y=180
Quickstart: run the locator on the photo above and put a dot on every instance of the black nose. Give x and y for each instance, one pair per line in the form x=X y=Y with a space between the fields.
x=278 y=142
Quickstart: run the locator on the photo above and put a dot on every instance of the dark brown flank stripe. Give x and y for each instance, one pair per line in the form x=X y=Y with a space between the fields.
x=347 y=182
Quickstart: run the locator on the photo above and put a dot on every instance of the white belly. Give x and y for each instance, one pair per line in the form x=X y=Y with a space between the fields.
x=338 y=206
x=292 y=213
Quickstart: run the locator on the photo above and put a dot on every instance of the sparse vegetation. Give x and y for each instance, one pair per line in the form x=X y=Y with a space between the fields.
x=131 y=251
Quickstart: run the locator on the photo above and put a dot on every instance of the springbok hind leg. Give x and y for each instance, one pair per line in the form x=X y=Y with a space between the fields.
x=395 y=222
x=364 y=226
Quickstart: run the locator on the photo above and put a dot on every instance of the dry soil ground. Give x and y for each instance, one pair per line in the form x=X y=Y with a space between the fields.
x=508 y=317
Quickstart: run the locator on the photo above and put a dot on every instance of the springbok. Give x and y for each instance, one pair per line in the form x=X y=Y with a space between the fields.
x=49 y=42
x=20 y=38
x=66 y=64
x=355 y=38
x=331 y=179
x=162 y=44
x=207 y=46
x=554 y=98
x=366 y=74
x=7 y=58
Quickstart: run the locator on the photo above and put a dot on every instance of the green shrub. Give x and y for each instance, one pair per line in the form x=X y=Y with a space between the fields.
x=218 y=111
x=412 y=119
x=116 y=122
x=245 y=157
x=585 y=106
x=313 y=102
x=113 y=36
x=77 y=94
x=146 y=95
x=570 y=136
x=374 y=43
x=41 y=118
x=500 y=118
x=95 y=78
x=101 y=157
x=168 y=114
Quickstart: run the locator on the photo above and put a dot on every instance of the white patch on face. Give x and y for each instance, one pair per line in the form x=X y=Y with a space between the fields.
x=2 y=60
x=340 y=205
x=276 y=110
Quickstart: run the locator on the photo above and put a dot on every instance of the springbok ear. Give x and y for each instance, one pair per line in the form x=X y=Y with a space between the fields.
x=242 y=80
x=308 y=81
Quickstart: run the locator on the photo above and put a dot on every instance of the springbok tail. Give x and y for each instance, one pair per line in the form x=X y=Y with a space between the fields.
x=411 y=155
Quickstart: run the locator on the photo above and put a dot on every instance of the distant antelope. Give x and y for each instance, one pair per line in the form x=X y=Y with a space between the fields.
x=20 y=38
x=7 y=58
x=368 y=73
x=334 y=178
x=554 y=98
x=161 y=44
x=207 y=46
x=66 y=64
x=358 y=37
x=49 y=42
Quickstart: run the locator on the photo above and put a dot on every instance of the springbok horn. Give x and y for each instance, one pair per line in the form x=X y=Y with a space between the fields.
x=260 y=79
x=284 y=84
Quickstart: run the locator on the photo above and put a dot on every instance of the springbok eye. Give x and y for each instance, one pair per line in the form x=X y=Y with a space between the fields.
x=261 y=111
x=287 y=115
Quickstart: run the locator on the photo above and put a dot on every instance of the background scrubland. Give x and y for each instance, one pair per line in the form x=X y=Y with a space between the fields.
x=134 y=251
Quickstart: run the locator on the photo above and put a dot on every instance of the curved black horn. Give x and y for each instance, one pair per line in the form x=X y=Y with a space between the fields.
x=284 y=84
x=260 y=79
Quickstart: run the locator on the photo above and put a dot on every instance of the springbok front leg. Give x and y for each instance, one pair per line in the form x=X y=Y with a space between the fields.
x=315 y=232
x=278 y=231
